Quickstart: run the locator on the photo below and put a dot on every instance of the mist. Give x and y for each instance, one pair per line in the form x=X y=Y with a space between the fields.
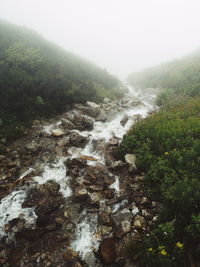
x=120 y=36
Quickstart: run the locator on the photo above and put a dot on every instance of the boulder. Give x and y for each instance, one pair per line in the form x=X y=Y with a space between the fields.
x=104 y=218
x=139 y=222
x=124 y=120
x=57 y=133
x=67 y=124
x=123 y=228
x=107 y=250
x=77 y=140
x=92 y=104
x=131 y=160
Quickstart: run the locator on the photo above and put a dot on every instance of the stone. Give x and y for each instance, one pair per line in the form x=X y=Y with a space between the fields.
x=85 y=157
x=139 y=222
x=107 y=251
x=106 y=100
x=117 y=164
x=96 y=197
x=138 y=178
x=146 y=202
x=57 y=133
x=77 y=140
x=124 y=120
x=96 y=187
x=68 y=124
x=81 y=192
x=90 y=259
x=123 y=228
x=70 y=254
x=2 y=157
x=113 y=141
x=131 y=159
x=104 y=218
x=135 y=210
x=92 y=104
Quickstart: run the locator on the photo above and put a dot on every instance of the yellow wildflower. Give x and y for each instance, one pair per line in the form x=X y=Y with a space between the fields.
x=150 y=249
x=179 y=245
x=163 y=252
x=166 y=153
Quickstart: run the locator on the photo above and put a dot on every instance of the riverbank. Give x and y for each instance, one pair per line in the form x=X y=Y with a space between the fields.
x=66 y=198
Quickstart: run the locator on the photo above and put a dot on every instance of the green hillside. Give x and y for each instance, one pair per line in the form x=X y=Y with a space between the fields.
x=179 y=78
x=167 y=148
x=38 y=78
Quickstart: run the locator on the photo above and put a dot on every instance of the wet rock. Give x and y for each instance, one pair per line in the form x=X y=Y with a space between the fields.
x=96 y=197
x=139 y=222
x=77 y=140
x=122 y=215
x=104 y=230
x=104 y=218
x=124 y=120
x=70 y=254
x=32 y=147
x=85 y=157
x=81 y=192
x=136 y=102
x=57 y=133
x=90 y=259
x=96 y=187
x=67 y=124
x=113 y=141
x=122 y=228
x=101 y=117
x=83 y=123
x=92 y=104
x=107 y=251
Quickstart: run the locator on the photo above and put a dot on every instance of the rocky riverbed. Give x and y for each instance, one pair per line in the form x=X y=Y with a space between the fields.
x=65 y=198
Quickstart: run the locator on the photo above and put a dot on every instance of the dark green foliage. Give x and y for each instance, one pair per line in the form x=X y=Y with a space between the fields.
x=167 y=146
x=38 y=78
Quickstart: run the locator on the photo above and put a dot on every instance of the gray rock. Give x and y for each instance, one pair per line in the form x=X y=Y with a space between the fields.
x=68 y=124
x=123 y=228
x=124 y=120
x=92 y=104
x=131 y=159
x=57 y=133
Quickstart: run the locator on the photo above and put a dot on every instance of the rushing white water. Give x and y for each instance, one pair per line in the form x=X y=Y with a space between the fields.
x=86 y=239
x=56 y=172
x=11 y=208
x=86 y=234
x=11 y=205
x=49 y=128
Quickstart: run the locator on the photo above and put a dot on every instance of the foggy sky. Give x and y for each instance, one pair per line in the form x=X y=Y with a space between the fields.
x=120 y=35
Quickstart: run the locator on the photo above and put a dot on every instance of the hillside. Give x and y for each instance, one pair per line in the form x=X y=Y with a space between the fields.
x=167 y=145
x=180 y=77
x=38 y=78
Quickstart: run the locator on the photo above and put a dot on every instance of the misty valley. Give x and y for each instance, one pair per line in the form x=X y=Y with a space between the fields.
x=95 y=171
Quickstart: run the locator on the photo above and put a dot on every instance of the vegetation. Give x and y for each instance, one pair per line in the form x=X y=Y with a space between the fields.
x=38 y=78
x=167 y=147
x=179 y=79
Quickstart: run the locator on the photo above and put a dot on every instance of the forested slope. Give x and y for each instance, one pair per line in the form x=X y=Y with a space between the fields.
x=38 y=78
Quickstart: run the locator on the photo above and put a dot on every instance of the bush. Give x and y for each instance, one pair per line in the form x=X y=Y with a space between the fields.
x=167 y=146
